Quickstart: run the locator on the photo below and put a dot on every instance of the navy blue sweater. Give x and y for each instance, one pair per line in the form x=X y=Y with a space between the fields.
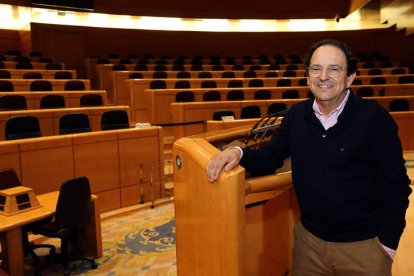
x=350 y=180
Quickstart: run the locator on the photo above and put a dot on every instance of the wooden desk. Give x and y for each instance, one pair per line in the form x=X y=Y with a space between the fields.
x=11 y=234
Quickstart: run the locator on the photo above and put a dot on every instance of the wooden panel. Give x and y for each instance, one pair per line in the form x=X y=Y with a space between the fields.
x=109 y=200
x=97 y=158
x=46 y=162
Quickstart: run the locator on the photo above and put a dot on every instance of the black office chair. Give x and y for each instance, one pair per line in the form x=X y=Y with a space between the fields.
x=378 y=80
x=283 y=82
x=235 y=95
x=63 y=75
x=205 y=75
x=12 y=102
x=183 y=75
x=211 y=96
x=32 y=75
x=234 y=83
x=399 y=105
x=276 y=107
x=21 y=127
x=73 y=213
x=406 y=79
x=52 y=101
x=271 y=74
x=375 y=71
x=178 y=67
x=74 y=123
x=74 y=85
x=40 y=85
x=290 y=94
x=184 y=96
x=365 y=91
x=208 y=84
x=135 y=75
x=237 y=67
x=250 y=111
x=158 y=84
x=53 y=66
x=114 y=119
x=289 y=73
x=219 y=114
x=255 y=83
x=264 y=94
x=159 y=75
x=182 y=84
x=249 y=74
x=141 y=67
x=5 y=74
x=91 y=100
x=23 y=65
x=228 y=74
x=6 y=86
x=119 y=67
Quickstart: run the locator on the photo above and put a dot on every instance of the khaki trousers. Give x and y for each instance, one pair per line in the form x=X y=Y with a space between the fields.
x=314 y=256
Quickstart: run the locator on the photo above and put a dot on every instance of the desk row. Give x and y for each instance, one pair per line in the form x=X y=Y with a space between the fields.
x=31 y=65
x=37 y=74
x=18 y=124
x=51 y=99
x=43 y=85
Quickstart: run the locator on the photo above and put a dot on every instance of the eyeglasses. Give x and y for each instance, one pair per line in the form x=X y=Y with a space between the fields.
x=333 y=71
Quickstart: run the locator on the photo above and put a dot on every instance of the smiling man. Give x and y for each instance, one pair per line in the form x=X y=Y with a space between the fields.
x=348 y=171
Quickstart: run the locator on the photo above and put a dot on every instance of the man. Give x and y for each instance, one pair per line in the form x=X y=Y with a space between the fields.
x=348 y=171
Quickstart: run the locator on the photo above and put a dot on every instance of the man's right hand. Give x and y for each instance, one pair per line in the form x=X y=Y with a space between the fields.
x=227 y=160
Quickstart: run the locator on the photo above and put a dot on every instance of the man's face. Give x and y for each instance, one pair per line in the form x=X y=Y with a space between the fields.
x=327 y=77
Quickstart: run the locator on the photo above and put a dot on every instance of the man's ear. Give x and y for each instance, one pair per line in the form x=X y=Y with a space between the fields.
x=350 y=79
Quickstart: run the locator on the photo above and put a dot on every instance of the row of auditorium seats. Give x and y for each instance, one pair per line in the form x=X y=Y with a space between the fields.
x=7 y=74
x=161 y=84
x=42 y=85
x=253 y=111
x=18 y=102
x=21 y=127
x=30 y=65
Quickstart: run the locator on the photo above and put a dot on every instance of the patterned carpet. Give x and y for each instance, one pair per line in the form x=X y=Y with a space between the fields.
x=143 y=242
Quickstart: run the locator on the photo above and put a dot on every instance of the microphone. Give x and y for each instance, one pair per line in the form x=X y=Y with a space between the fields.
x=263 y=126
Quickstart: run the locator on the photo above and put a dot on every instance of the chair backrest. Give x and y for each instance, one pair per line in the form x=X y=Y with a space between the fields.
x=209 y=84
x=12 y=102
x=196 y=67
x=365 y=91
x=250 y=74
x=276 y=107
x=255 y=67
x=20 y=127
x=303 y=82
x=205 y=75
x=160 y=68
x=6 y=86
x=135 y=76
x=217 y=115
x=217 y=67
x=72 y=85
x=235 y=95
x=397 y=71
x=264 y=94
x=271 y=74
x=211 y=96
x=182 y=84
x=399 y=105
x=141 y=67
x=74 y=123
x=237 y=67
x=158 y=84
x=159 y=75
x=53 y=66
x=52 y=101
x=114 y=119
x=406 y=79
x=289 y=73
x=5 y=74
x=250 y=111
x=290 y=94
x=378 y=80
x=32 y=75
x=74 y=204
x=41 y=85
x=375 y=71
x=63 y=75
x=255 y=83
x=8 y=179
x=119 y=67
x=284 y=82
x=235 y=83
x=228 y=74
x=91 y=100
x=23 y=65
x=178 y=67
x=183 y=75
x=184 y=96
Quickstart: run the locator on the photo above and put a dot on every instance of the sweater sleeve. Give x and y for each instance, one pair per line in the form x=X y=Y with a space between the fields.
x=393 y=179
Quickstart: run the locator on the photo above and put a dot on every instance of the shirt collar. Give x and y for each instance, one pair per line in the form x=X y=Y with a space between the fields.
x=338 y=109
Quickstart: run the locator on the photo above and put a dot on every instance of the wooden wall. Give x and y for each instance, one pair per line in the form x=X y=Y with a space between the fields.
x=72 y=45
